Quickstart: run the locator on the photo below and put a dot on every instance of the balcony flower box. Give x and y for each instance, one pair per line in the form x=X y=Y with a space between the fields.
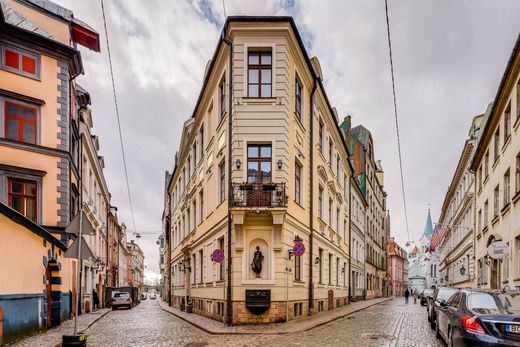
x=269 y=187
x=246 y=186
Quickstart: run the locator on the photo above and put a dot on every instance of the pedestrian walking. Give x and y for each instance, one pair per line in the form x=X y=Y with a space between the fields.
x=95 y=300
x=406 y=295
x=415 y=296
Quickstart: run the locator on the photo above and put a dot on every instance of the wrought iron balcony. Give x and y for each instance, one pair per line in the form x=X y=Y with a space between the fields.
x=258 y=195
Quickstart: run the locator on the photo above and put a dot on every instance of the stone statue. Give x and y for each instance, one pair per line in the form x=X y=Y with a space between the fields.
x=256 y=265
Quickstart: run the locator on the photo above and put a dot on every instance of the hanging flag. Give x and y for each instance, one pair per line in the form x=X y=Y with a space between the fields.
x=438 y=234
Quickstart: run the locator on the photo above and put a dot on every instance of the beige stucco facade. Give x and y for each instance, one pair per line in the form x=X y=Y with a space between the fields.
x=199 y=197
x=497 y=193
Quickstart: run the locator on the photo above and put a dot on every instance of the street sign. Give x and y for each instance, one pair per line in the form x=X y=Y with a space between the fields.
x=298 y=249
x=498 y=250
x=217 y=256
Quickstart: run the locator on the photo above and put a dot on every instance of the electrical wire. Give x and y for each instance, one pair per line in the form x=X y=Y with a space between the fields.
x=396 y=118
x=224 y=7
x=117 y=116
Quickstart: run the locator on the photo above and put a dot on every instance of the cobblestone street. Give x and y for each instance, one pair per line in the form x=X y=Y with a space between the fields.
x=388 y=324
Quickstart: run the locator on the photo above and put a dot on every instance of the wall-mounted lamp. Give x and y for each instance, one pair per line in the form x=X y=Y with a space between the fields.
x=279 y=163
x=238 y=163
x=317 y=261
x=462 y=270
x=297 y=238
x=290 y=253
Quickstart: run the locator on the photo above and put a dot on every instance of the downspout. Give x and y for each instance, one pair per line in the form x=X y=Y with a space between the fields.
x=229 y=306
x=350 y=235
x=311 y=210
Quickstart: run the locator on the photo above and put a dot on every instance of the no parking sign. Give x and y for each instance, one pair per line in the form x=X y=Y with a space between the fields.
x=217 y=256
x=299 y=249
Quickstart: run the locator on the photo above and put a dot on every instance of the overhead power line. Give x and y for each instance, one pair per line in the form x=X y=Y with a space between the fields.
x=117 y=116
x=396 y=119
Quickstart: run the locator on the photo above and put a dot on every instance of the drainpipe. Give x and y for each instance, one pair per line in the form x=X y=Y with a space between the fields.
x=229 y=306
x=350 y=235
x=311 y=210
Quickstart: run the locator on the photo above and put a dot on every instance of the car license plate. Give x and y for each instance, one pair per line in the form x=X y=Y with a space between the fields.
x=511 y=328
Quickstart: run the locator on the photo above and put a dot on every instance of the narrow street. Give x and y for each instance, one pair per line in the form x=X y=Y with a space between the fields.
x=388 y=324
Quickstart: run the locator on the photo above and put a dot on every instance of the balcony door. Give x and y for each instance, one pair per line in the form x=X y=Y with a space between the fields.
x=259 y=174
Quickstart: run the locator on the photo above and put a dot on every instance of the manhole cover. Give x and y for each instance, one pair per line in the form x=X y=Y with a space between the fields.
x=196 y=344
x=377 y=337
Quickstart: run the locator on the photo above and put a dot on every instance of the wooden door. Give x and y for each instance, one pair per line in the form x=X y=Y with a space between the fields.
x=494 y=274
x=48 y=296
x=331 y=299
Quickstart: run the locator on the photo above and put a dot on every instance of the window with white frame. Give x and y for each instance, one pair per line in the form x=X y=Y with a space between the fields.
x=20 y=61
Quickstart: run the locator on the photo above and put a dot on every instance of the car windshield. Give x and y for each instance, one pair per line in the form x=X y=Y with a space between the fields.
x=491 y=303
x=121 y=295
x=445 y=293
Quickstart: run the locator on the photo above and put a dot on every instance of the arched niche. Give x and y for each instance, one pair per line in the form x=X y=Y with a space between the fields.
x=266 y=263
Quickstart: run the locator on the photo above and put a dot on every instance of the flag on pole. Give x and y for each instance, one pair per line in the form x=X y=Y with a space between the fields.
x=438 y=234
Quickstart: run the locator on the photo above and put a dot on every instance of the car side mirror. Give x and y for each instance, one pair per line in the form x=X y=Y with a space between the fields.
x=442 y=303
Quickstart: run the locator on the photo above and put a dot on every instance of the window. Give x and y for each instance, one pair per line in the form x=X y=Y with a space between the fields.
x=320 y=202
x=201 y=199
x=480 y=177
x=22 y=195
x=201 y=262
x=330 y=268
x=337 y=221
x=517 y=174
x=320 y=136
x=259 y=163
x=194 y=214
x=496 y=207
x=479 y=221
x=507 y=122
x=517 y=239
x=195 y=156
x=320 y=253
x=330 y=153
x=194 y=260
x=297 y=269
x=486 y=164
x=222 y=99
x=201 y=139
x=518 y=100
x=20 y=122
x=221 y=265
x=337 y=271
x=507 y=188
x=486 y=213
x=497 y=145
x=20 y=61
x=298 y=99
x=297 y=183
x=338 y=162
x=259 y=74
x=222 y=184
x=330 y=212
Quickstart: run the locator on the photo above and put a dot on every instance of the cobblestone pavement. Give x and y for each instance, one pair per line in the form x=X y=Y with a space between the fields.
x=390 y=324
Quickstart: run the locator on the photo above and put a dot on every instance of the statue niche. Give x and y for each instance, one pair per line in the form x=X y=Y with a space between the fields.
x=256 y=264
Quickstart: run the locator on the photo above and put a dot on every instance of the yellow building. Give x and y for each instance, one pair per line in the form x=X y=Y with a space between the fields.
x=38 y=161
x=497 y=185
x=256 y=173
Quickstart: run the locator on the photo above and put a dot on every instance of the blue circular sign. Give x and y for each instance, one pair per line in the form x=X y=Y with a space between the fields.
x=217 y=256
x=299 y=249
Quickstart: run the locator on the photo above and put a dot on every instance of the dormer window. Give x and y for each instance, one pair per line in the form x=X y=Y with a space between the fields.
x=20 y=61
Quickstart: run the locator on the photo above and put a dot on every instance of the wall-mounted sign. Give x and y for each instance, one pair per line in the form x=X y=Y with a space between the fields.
x=498 y=250
x=298 y=249
x=217 y=256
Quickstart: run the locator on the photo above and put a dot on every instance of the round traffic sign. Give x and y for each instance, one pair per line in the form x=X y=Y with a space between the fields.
x=217 y=256
x=299 y=249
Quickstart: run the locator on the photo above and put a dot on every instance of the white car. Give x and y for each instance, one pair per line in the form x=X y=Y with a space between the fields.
x=153 y=296
x=121 y=299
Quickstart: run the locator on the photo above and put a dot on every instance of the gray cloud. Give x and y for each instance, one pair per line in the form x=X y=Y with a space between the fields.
x=449 y=58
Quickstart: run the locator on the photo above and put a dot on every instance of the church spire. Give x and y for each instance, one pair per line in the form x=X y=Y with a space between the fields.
x=428 y=227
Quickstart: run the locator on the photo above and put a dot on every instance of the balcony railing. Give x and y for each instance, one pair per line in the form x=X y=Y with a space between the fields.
x=258 y=195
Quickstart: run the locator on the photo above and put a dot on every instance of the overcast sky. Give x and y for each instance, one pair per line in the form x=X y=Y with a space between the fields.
x=449 y=57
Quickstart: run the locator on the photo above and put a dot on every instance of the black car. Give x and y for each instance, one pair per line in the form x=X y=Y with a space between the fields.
x=425 y=294
x=473 y=317
x=440 y=295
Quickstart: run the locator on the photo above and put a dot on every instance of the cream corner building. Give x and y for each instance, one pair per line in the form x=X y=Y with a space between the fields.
x=284 y=179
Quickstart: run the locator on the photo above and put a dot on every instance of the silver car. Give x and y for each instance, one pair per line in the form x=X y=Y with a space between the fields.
x=121 y=299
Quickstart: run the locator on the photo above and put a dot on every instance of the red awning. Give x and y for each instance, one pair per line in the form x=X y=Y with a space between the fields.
x=85 y=37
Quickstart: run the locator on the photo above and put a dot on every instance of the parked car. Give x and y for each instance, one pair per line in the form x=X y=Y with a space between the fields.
x=425 y=293
x=144 y=296
x=474 y=317
x=121 y=299
x=153 y=296
x=440 y=295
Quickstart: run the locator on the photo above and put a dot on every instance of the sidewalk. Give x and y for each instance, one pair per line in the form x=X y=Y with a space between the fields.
x=294 y=326
x=52 y=337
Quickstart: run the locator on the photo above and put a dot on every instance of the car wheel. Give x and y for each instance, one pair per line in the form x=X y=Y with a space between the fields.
x=437 y=332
